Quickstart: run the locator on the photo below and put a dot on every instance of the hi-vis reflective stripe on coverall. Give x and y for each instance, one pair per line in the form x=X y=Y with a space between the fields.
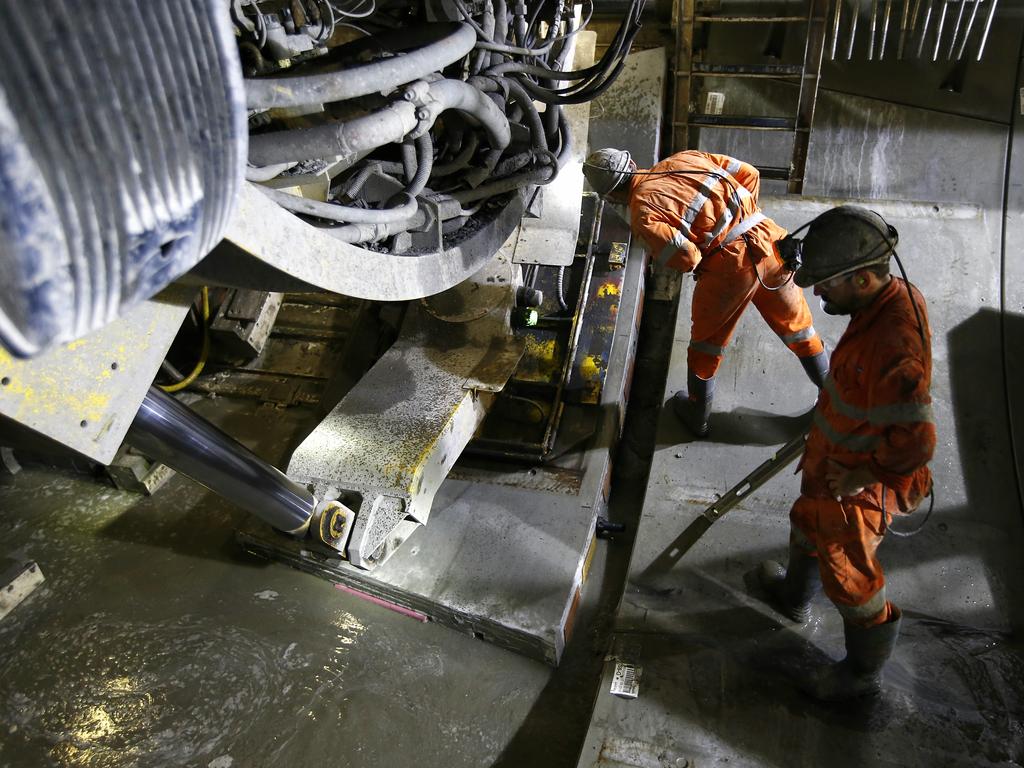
x=682 y=216
x=875 y=411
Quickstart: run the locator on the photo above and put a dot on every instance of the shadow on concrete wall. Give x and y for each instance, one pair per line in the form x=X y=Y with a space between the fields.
x=980 y=416
x=984 y=440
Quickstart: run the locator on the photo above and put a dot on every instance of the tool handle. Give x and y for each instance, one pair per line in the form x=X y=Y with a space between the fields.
x=765 y=472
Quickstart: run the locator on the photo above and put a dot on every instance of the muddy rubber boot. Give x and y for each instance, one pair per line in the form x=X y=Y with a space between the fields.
x=791 y=589
x=693 y=408
x=860 y=673
x=816 y=368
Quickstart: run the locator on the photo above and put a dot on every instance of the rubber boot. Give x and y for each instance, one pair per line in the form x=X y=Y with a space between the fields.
x=694 y=408
x=860 y=673
x=816 y=368
x=791 y=589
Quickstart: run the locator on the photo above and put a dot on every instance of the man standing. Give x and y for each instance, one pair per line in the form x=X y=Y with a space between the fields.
x=868 y=447
x=698 y=212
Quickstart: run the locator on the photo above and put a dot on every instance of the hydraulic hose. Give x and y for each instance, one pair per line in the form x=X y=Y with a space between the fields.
x=530 y=113
x=536 y=176
x=456 y=94
x=354 y=184
x=461 y=160
x=408 y=152
x=378 y=76
x=424 y=164
x=342 y=213
x=253 y=173
x=369 y=233
x=351 y=137
x=385 y=126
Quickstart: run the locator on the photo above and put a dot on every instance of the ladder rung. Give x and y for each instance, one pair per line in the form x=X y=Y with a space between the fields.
x=751 y=19
x=746 y=122
x=750 y=70
x=745 y=76
x=773 y=172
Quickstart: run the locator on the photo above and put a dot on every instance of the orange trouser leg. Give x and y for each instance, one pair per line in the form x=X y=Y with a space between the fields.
x=786 y=310
x=719 y=299
x=845 y=538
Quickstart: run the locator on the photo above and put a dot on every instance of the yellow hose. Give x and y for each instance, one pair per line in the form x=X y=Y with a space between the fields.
x=204 y=353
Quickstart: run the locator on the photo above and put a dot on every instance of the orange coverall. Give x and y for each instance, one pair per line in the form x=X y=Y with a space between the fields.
x=682 y=217
x=875 y=411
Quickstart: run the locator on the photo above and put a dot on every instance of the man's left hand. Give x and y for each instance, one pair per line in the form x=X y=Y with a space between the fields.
x=843 y=481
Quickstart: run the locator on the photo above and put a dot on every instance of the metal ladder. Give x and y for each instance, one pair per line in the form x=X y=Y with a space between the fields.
x=688 y=71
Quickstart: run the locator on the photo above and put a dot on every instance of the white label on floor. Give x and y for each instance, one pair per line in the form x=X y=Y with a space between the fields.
x=625 y=681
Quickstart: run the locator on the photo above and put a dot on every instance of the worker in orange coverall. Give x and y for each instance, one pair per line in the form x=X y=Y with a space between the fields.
x=698 y=212
x=868 y=447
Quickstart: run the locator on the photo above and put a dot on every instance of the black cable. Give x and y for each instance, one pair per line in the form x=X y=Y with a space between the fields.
x=757 y=274
x=915 y=531
x=913 y=301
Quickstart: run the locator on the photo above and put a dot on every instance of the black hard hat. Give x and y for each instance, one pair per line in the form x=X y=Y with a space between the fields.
x=842 y=240
x=606 y=169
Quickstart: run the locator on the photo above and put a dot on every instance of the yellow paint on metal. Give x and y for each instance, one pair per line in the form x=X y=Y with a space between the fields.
x=541 y=360
x=608 y=289
x=591 y=367
x=546 y=350
x=589 y=559
x=48 y=393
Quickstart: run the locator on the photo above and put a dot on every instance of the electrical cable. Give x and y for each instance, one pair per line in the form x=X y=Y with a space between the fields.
x=583 y=24
x=910 y=293
x=757 y=274
x=203 y=354
x=560 y=289
x=353 y=14
x=914 y=531
x=326 y=31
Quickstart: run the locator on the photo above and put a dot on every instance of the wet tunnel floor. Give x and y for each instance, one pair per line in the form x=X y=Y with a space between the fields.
x=155 y=641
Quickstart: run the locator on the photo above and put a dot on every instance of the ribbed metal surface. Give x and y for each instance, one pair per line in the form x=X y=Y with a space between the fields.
x=123 y=136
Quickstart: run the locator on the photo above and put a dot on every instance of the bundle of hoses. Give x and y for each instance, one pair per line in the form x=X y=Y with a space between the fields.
x=416 y=129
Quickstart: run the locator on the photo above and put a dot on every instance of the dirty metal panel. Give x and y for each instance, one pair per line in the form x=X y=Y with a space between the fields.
x=628 y=115
x=499 y=360
x=270 y=388
x=313 y=358
x=548 y=478
x=84 y=394
x=501 y=563
x=318 y=321
x=551 y=238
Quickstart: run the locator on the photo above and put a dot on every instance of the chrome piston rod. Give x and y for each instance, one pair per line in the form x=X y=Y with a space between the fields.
x=168 y=432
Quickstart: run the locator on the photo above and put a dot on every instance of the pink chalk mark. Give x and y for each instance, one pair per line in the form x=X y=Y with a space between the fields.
x=384 y=603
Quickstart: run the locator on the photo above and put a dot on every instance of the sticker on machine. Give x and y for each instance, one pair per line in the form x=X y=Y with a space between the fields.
x=625 y=681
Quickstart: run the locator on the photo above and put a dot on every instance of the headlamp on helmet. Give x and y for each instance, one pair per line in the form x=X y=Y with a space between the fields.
x=839 y=241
